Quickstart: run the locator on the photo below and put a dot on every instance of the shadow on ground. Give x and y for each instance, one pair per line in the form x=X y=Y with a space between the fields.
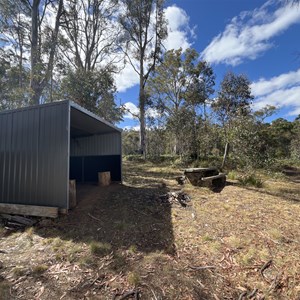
x=120 y=215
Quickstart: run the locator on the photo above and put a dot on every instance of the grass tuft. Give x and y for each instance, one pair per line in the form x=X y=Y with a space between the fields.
x=18 y=271
x=98 y=248
x=232 y=175
x=251 y=180
x=39 y=269
x=132 y=249
x=133 y=278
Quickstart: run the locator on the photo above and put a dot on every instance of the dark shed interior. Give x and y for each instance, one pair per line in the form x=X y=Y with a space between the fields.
x=89 y=154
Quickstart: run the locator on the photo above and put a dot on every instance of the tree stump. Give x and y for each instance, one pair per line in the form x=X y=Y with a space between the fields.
x=72 y=194
x=104 y=178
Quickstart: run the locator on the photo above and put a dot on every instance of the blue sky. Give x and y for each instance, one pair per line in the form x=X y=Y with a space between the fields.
x=257 y=38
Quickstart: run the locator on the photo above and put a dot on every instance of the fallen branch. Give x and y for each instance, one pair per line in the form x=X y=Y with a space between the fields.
x=94 y=217
x=253 y=293
x=264 y=267
x=242 y=295
x=136 y=295
x=202 y=267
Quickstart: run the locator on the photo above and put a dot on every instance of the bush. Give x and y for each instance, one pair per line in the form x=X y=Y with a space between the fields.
x=251 y=180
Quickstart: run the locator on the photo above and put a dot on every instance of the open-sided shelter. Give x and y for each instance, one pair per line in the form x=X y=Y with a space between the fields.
x=42 y=147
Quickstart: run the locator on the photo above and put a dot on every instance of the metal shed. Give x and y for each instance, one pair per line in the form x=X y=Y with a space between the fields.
x=42 y=147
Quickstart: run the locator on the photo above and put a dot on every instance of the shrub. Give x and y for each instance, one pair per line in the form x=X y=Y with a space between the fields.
x=251 y=180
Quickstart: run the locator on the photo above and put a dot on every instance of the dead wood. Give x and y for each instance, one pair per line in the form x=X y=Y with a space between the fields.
x=202 y=267
x=18 y=219
x=176 y=197
x=242 y=295
x=180 y=179
x=91 y=216
x=135 y=294
x=253 y=293
x=264 y=267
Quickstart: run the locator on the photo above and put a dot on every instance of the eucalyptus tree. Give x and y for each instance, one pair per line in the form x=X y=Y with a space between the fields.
x=232 y=103
x=95 y=90
x=180 y=84
x=89 y=51
x=233 y=100
x=90 y=33
x=29 y=32
x=43 y=43
x=145 y=28
x=14 y=34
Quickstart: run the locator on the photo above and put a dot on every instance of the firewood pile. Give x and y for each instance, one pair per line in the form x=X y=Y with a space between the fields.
x=178 y=197
x=16 y=222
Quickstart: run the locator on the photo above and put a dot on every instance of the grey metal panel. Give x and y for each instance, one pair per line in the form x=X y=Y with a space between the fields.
x=105 y=126
x=34 y=155
x=104 y=144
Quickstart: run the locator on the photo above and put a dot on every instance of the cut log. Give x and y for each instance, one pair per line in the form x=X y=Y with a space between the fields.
x=221 y=175
x=214 y=181
x=29 y=210
x=72 y=194
x=195 y=175
x=19 y=219
x=104 y=178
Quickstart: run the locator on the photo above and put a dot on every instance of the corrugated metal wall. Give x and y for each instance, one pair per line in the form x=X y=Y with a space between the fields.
x=104 y=144
x=34 y=155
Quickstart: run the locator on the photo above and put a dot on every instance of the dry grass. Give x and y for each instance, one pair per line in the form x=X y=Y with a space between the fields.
x=213 y=249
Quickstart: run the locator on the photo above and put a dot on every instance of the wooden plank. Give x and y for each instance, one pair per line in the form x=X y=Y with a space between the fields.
x=72 y=194
x=63 y=211
x=29 y=210
x=200 y=170
x=221 y=175
x=104 y=178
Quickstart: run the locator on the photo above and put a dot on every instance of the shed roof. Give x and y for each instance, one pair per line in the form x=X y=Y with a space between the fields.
x=82 y=121
x=85 y=123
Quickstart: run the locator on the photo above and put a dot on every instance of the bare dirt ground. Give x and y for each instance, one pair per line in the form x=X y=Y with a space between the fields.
x=239 y=243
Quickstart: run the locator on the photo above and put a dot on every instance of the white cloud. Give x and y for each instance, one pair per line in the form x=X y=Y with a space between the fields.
x=248 y=35
x=153 y=113
x=283 y=81
x=131 y=110
x=282 y=91
x=179 y=31
x=126 y=79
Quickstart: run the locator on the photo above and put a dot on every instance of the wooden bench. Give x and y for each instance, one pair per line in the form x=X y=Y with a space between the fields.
x=216 y=180
x=195 y=175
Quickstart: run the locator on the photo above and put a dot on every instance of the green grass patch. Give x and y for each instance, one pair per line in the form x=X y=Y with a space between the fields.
x=100 y=249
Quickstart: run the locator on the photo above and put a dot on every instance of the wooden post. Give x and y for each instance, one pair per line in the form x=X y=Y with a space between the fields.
x=72 y=194
x=104 y=178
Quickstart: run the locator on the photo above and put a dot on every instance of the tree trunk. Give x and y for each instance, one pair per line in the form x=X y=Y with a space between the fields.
x=142 y=119
x=34 y=80
x=37 y=83
x=225 y=155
